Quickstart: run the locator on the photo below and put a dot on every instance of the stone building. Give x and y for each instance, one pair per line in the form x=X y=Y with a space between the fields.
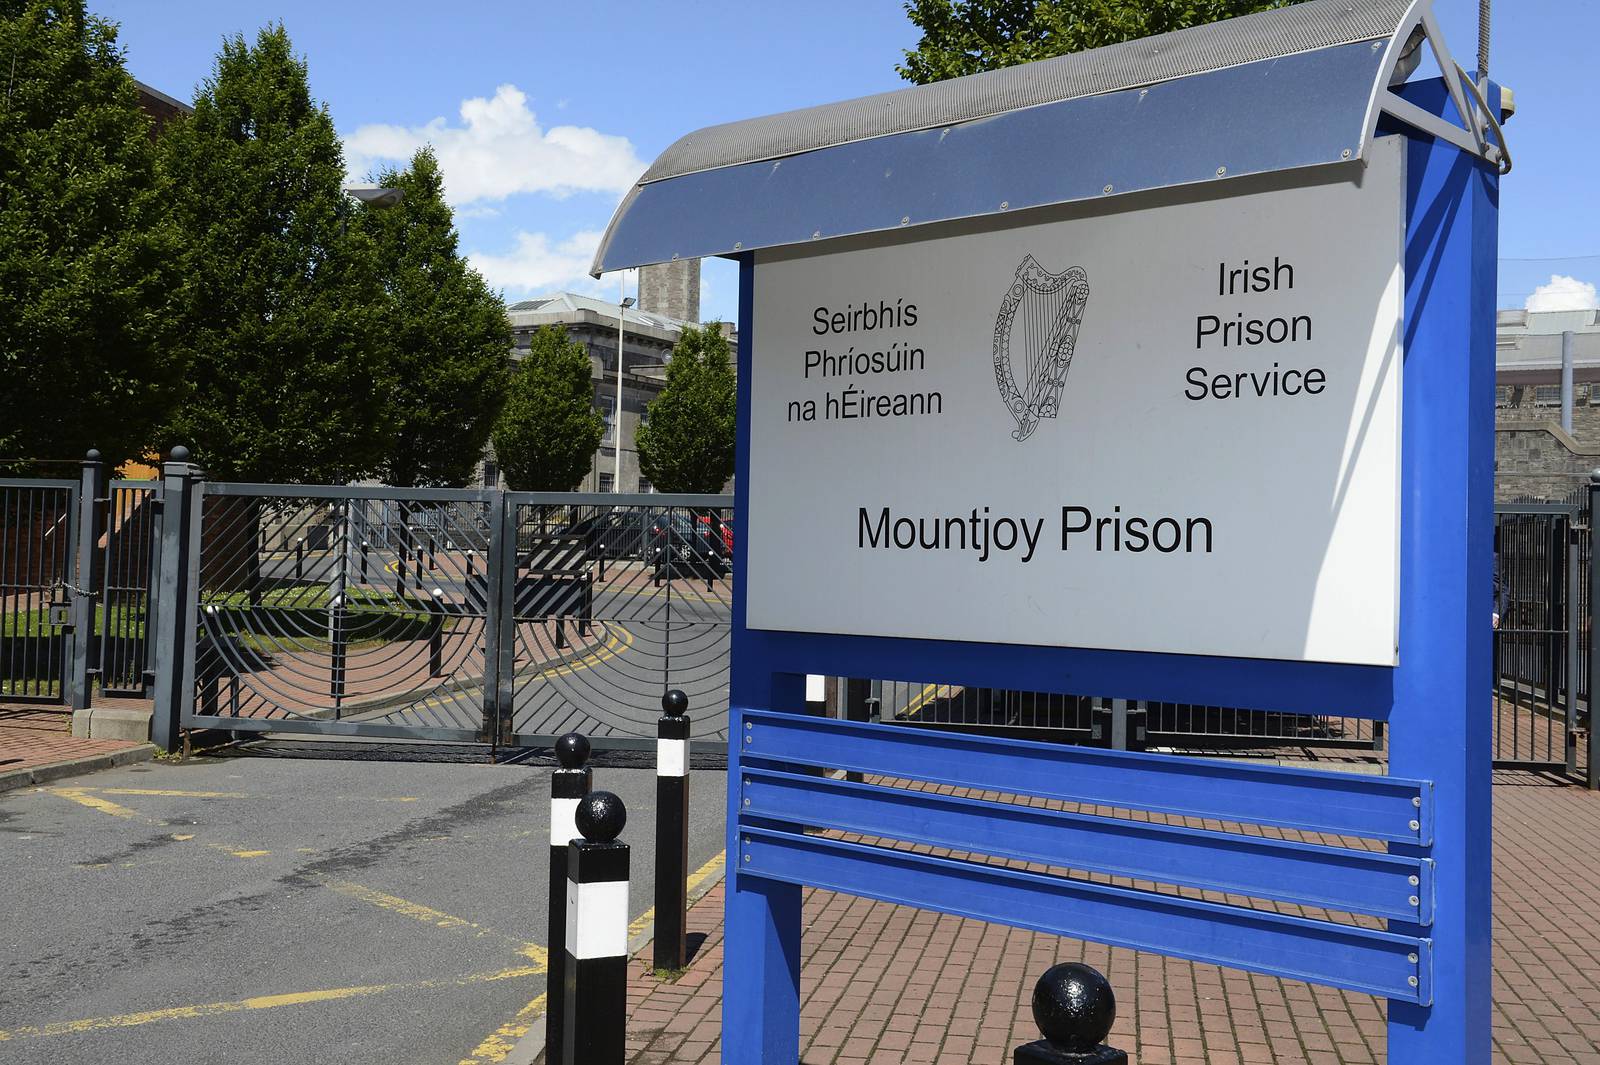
x=1535 y=458
x=669 y=299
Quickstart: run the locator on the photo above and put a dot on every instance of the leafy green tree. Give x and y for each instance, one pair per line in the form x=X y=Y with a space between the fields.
x=91 y=292
x=448 y=339
x=967 y=36
x=548 y=429
x=688 y=443
x=288 y=371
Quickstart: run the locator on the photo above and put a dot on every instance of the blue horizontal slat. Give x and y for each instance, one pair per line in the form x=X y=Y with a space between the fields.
x=1334 y=878
x=1343 y=804
x=1318 y=952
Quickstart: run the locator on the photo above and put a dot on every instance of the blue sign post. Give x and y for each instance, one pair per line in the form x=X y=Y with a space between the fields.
x=1346 y=63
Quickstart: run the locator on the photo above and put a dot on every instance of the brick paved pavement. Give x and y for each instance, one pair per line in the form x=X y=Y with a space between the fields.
x=31 y=737
x=887 y=985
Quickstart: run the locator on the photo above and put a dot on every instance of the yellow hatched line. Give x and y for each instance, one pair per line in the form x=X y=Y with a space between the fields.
x=256 y=1002
x=928 y=693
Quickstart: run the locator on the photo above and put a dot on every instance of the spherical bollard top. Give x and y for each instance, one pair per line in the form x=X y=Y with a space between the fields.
x=92 y=455
x=180 y=454
x=1594 y=476
x=1074 y=1007
x=601 y=817
x=572 y=750
x=675 y=703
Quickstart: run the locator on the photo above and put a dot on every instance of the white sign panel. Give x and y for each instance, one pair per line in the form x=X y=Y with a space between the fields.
x=1173 y=430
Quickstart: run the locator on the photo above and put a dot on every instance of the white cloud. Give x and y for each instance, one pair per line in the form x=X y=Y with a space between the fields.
x=537 y=265
x=1563 y=293
x=499 y=150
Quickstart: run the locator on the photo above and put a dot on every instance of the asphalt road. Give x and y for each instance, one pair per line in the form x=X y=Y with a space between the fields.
x=264 y=911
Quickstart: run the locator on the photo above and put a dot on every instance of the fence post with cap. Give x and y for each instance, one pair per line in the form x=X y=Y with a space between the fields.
x=672 y=830
x=568 y=785
x=596 y=977
x=82 y=661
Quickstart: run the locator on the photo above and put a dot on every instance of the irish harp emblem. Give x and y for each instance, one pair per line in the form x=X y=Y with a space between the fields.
x=1033 y=340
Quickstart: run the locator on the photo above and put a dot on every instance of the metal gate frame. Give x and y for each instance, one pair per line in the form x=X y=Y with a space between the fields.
x=39 y=609
x=201 y=672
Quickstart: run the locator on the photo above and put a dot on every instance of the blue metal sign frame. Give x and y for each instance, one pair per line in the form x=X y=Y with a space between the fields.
x=1431 y=813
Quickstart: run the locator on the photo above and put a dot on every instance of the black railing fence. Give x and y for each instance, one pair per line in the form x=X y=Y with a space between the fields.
x=512 y=617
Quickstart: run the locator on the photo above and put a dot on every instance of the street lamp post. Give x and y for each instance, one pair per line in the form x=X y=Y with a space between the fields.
x=623 y=303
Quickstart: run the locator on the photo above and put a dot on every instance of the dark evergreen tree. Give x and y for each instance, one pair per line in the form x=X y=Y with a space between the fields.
x=548 y=430
x=449 y=345
x=967 y=36
x=91 y=290
x=288 y=369
x=688 y=443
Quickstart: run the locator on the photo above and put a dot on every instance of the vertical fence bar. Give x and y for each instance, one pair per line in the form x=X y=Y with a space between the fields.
x=84 y=589
x=1569 y=673
x=1592 y=769
x=174 y=680
x=500 y=625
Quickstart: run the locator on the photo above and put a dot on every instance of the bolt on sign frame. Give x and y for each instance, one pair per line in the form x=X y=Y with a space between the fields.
x=1314 y=96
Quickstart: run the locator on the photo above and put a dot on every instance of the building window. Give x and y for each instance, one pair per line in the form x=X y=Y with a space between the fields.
x=1502 y=396
x=608 y=407
x=1594 y=395
x=645 y=487
x=605 y=482
x=1547 y=395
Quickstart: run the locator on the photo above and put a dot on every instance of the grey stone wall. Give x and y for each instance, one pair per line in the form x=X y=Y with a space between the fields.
x=672 y=289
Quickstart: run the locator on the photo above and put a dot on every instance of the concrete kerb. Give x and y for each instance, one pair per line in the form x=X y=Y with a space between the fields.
x=529 y=1050
x=43 y=774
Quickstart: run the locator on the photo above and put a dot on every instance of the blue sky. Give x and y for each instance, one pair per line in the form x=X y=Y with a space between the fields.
x=543 y=113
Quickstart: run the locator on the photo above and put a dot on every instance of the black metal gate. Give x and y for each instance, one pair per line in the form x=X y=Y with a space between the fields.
x=38 y=569
x=129 y=556
x=1537 y=644
x=618 y=599
x=455 y=615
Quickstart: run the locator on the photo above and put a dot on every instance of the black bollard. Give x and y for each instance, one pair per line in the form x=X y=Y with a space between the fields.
x=364 y=546
x=672 y=830
x=596 y=977
x=299 y=558
x=1074 y=1007
x=568 y=784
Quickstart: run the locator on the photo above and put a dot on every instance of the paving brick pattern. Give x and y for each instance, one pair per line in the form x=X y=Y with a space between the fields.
x=30 y=737
x=888 y=985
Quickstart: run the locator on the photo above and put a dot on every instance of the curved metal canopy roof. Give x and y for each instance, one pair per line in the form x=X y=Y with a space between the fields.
x=1294 y=87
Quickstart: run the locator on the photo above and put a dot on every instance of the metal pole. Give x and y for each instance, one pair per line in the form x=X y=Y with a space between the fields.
x=1566 y=380
x=568 y=784
x=672 y=831
x=92 y=490
x=174 y=680
x=616 y=415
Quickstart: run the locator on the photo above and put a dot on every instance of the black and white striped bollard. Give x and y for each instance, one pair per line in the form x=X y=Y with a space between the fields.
x=596 y=977
x=1074 y=1007
x=568 y=784
x=672 y=830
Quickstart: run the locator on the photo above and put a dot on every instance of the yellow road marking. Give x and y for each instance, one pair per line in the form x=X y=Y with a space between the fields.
x=105 y=806
x=258 y=1002
x=928 y=693
x=177 y=793
x=428 y=915
x=498 y=1044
